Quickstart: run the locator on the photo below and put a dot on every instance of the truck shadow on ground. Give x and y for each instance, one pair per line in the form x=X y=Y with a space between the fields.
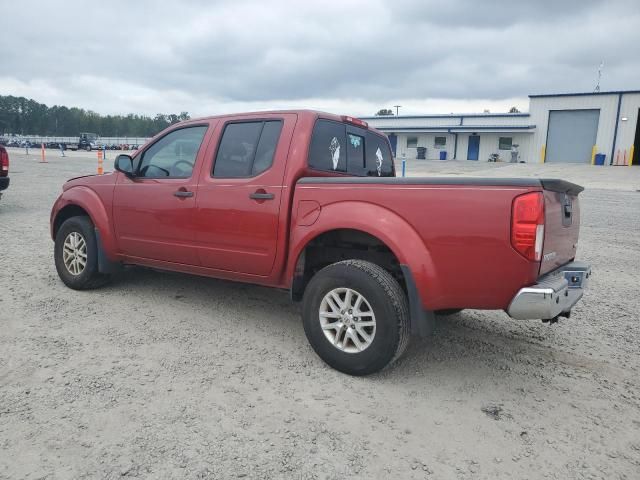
x=467 y=340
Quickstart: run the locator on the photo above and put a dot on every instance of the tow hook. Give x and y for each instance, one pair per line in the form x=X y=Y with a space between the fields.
x=555 y=319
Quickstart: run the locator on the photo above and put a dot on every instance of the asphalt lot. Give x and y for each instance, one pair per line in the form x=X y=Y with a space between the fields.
x=162 y=375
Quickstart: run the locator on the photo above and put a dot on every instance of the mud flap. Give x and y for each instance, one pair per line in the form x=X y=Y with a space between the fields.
x=422 y=321
x=104 y=264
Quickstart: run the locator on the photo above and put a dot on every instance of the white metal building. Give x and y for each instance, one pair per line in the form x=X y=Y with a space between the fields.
x=567 y=127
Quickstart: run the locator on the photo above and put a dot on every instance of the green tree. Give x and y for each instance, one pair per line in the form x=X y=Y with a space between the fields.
x=21 y=115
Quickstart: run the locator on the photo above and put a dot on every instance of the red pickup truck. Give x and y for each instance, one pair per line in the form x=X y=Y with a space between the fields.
x=308 y=202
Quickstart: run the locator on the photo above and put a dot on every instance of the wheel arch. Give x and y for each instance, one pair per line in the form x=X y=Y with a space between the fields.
x=389 y=234
x=84 y=201
x=67 y=212
x=337 y=244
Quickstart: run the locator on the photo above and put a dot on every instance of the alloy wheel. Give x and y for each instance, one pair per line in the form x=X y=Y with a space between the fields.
x=347 y=320
x=74 y=253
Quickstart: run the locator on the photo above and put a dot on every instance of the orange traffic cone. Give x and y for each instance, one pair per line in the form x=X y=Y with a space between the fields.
x=100 y=169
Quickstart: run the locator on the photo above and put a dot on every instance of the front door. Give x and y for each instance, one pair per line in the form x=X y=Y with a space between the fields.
x=239 y=195
x=473 y=151
x=153 y=212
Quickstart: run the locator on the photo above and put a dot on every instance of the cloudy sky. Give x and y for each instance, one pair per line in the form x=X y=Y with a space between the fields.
x=346 y=56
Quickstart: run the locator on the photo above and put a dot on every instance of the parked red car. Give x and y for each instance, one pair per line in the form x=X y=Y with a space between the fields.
x=4 y=169
x=309 y=202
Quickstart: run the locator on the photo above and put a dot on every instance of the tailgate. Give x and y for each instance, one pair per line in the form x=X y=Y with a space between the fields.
x=562 y=223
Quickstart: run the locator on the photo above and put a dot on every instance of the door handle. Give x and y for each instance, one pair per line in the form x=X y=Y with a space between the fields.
x=261 y=196
x=183 y=194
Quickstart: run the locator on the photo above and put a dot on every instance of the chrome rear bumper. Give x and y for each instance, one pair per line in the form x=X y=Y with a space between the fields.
x=554 y=294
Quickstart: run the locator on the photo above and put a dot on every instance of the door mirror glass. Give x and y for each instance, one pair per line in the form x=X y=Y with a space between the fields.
x=124 y=164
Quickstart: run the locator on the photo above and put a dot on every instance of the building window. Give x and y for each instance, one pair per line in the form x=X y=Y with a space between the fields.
x=412 y=142
x=505 y=143
x=440 y=142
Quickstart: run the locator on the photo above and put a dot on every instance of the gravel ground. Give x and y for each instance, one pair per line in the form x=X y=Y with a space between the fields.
x=162 y=375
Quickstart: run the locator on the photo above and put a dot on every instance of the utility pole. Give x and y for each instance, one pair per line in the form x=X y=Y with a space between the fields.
x=600 y=67
x=397 y=108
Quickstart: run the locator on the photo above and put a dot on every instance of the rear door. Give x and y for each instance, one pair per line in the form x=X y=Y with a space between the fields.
x=153 y=212
x=240 y=192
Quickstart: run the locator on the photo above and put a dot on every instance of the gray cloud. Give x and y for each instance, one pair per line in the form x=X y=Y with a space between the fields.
x=143 y=56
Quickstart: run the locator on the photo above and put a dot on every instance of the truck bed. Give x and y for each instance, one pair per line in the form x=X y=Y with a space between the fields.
x=463 y=223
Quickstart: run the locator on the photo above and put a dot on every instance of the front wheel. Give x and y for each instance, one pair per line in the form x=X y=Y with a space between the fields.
x=356 y=317
x=76 y=254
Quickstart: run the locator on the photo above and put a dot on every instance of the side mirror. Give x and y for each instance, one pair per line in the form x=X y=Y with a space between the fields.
x=124 y=164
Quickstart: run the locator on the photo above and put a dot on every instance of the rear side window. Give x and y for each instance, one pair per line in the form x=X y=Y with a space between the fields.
x=247 y=149
x=266 y=147
x=344 y=148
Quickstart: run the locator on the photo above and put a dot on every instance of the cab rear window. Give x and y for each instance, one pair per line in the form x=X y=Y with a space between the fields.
x=338 y=147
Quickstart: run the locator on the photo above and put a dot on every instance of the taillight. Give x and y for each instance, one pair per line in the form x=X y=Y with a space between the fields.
x=4 y=163
x=527 y=225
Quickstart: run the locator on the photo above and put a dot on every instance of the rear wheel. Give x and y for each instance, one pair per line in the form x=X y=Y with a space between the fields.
x=356 y=317
x=76 y=254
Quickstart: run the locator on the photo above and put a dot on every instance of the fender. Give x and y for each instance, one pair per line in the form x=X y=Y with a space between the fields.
x=90 y=202
x=382 y=223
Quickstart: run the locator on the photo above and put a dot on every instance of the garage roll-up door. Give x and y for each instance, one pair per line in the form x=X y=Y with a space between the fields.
x=572 y=135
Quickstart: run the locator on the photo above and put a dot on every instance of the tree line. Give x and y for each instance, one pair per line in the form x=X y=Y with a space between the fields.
x=24 y=116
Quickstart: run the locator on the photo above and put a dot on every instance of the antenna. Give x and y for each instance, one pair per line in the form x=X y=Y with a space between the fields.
x=600 y=67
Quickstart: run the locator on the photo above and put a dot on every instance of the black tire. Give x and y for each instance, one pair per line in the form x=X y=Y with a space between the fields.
x=388 y=302
x=88 y=148
x=89 y=277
